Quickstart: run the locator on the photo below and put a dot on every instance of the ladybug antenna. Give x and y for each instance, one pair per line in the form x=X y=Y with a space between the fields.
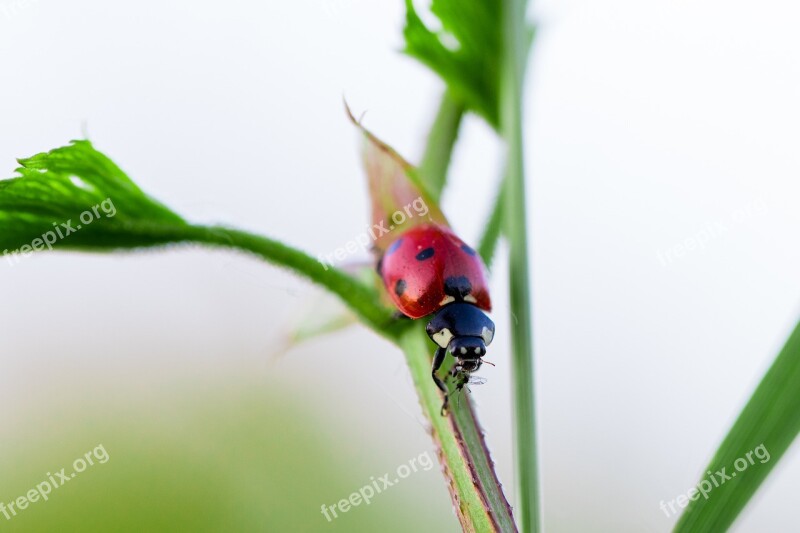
x=485 y=362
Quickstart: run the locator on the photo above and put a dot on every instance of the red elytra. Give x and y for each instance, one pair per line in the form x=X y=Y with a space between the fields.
x=428 y=267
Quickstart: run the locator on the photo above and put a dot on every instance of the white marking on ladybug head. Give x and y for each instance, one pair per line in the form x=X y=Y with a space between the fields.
x=463 y=349
x=446 y=300
x=477 y=351
x=487 y=335
x=470 y=298
x=442 y=338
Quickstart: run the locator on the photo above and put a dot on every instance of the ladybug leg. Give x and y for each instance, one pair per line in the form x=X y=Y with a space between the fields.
x=438 y=359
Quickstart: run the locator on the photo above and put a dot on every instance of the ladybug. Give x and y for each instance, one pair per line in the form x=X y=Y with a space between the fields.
x=428 y=270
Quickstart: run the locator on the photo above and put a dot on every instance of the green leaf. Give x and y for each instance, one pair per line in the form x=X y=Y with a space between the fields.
x=771 y=418
x=395 y=186
x=57 y=188
x=464 y=52
x=75 y=197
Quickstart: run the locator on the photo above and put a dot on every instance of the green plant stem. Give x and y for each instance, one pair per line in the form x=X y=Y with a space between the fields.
x=357 y=296
x=432 y=170
x=493 y=228
x=439 y=147
x=435 y=162
x=475 y=490
x=476 y=493
x=771 y=418
x=515 y=52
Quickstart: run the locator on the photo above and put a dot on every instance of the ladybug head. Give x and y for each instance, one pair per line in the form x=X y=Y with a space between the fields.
x=463 y=330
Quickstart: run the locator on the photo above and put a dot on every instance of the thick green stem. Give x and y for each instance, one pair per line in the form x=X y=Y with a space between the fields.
x=476 y=493
x=515 y=52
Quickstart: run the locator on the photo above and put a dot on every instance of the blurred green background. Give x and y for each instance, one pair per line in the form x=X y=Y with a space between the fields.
x=206 y=457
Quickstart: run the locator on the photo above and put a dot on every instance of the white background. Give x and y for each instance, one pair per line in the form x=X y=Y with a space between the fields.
x=647 y=122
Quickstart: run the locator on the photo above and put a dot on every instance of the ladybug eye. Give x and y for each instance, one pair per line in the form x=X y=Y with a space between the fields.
x=442 y=338
x=487 y=335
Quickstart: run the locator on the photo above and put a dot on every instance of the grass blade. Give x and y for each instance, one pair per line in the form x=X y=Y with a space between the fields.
x=772 y=418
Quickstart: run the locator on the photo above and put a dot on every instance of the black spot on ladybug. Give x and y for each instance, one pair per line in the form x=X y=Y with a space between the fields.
x=395 y=245
x=400 y=287
x=427 y=253
x=457 y=287
x=467 y=249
